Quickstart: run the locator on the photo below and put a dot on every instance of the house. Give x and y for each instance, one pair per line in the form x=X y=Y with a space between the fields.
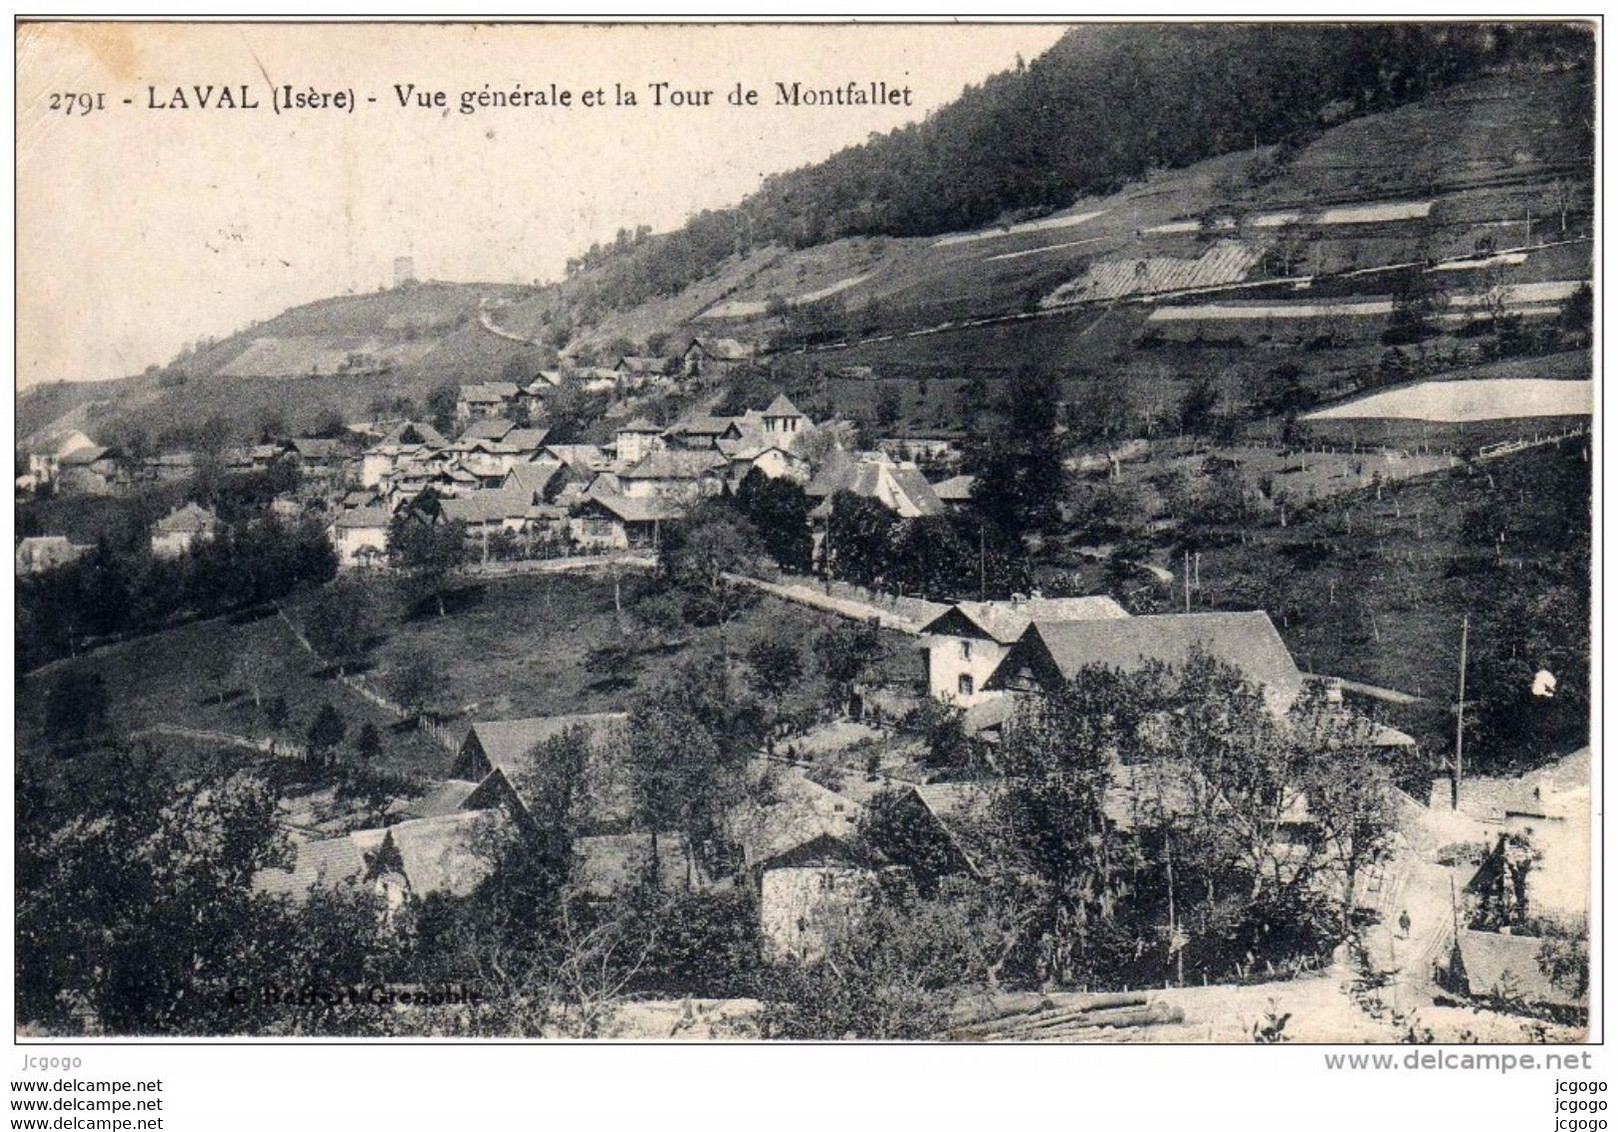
x=445 y=854
x=715 y=357
x=359 y=535
x=1051 y=652
x=671 y=474
x=964 y=646
x=538 y=480
x=701 y=431
x=89 y=471
x=810 y=894
x=484 y=399
x=533 y=396
x=640 y=372
x=955 y=493
x=774 y=460
x=511 y=747
x=46 y=552
x=637 y=439
x=45 y=453
x=608 y=521
x=486 y=428
x=1508 y=965
x=595 y=379
x=926 y=446
x=181 y=529
x=176 y=467
x=584 y=459
x=901 y=488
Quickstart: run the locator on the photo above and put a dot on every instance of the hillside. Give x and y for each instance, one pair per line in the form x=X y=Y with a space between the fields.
x=1220 y=268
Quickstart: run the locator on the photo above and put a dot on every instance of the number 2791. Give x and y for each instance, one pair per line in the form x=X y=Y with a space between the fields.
x=69 y=103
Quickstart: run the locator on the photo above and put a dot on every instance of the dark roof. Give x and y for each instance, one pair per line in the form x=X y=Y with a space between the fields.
x=487 y=428
x=782 y=406
x=489 y=391
x=675 y=464
x=1007 y=621
x=658 y=366
x=637 y=510
x=1246 y=640
x=506 y=743
x=362 y=517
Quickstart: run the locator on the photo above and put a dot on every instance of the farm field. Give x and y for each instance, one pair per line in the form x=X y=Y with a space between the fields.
x=1480 y=399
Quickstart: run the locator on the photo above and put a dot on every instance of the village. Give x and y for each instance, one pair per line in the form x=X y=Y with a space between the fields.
x=1155 y=613
x=834 y=805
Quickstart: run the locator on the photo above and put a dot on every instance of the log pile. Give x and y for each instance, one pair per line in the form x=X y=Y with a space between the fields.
x=1096 y=1017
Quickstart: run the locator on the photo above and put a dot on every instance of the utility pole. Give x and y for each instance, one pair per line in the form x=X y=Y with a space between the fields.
x=1185 y=575
x=1460 y=714
x=983 y=566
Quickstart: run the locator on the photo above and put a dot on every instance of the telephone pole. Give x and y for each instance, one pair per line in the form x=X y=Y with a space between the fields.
x=1460 y=716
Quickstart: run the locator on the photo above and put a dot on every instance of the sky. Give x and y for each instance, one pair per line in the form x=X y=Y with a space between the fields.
x=142 y=229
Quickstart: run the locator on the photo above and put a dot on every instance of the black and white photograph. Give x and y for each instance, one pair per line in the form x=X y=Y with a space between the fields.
x=912 y=532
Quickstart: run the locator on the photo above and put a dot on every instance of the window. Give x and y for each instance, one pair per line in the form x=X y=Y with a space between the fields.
x=965 y=684
x=966 y=650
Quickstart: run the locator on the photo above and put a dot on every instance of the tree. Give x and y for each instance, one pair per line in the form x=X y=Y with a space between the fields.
x=428 y=553
x=326 y=731
x=1020 y=475
x=1417 y=302
x=844 y=653
x=75 y=706
x=341 y=623
x=416 y=683
x=778 y=508
x=678 y=776
x=859 y=538
x=368 y=743
x=441 y=404
x=700 y=556
x=775 y=667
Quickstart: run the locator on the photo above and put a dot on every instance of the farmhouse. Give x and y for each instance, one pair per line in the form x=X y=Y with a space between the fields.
x=89 y=471
x=637 y=439
x=716 y=357
x=443 y=854
x=181 y=529
x=41 y=553
x=45 y=454
x=669 y=474
x=608 y=521
x=359 y=535
x=486 y=399
x=1050 y=653
x=901 y=488
x=512 y=747
x=964 y=646
x=1508 y=965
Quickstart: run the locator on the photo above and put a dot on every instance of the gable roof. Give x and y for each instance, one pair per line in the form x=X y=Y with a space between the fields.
x=84 y=457
x=1007 y=621
x=675 y=464
x=1509 y=964
x=363 y=517
x=526 y=439
x=635 y=510
x=488 y=392
x=1246 y=640
x=492 y=505
x=533 y=478
x=640 y=424
x=487 y=428
x=440 y=854
x=507 y=743
x=425 y=433
x=801 y=812
x=191 y=518
x=724 y=349
x=899 y=487
x=641 y=364
x=956 y=489
x=328 y=863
